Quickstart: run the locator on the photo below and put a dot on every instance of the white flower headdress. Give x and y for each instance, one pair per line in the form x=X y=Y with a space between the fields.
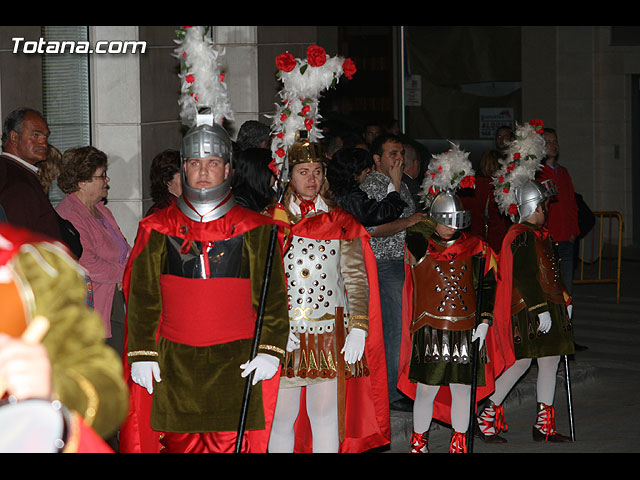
x=523 y=159
x=447 y=171
x=303 y=81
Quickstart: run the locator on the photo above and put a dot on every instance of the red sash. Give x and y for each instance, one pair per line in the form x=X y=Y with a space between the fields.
x=189 y=317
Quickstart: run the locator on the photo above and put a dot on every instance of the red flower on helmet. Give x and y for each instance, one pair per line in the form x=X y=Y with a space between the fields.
x=190 y=78
x=537 y=125
x=513 y=209
x=349 y=68
x=308 y=123
x=468 y=182
x=316 y=56
x=285 y=62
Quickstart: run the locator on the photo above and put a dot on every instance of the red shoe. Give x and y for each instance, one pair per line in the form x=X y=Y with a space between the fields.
x=545 y=428
x=419 y=442
x=458 y=442
x=490 y=422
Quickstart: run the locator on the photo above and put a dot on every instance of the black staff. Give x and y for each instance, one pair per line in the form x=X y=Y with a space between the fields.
x=474 y=347
x=258 y=327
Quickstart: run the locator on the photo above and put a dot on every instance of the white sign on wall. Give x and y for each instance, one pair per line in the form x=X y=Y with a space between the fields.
x=493 y=118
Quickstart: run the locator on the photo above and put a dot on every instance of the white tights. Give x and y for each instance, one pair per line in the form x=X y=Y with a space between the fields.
x=322 y=410
x=423 y=406
x=545 y=385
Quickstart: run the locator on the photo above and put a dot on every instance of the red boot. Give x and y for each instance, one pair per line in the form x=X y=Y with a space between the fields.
x=490 y=422
x=545 y=428
x=419 y=442
x=458 y=442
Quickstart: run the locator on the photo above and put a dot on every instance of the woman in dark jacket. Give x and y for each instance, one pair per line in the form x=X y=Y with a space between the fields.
x=346 y=170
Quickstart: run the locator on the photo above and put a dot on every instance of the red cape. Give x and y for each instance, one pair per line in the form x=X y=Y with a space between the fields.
x=500 y=356
x=367 y=421
x=136 y=434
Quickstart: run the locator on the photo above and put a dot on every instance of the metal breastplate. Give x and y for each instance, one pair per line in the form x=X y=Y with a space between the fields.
x=443 y=294
x=315 y=284
x=204 y=259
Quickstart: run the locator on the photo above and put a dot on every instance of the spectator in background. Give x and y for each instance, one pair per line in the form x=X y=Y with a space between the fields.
x=25 y=138
x=562 y=221
x=370 y=133
x=104 y=249
x=387 y=242
x=48 y=172
x=353 y=140
x=475 y=200
x=413 y=173
x=252 y=182
x=332 y=143
x=346 y=171
x=166 y=184
x=253 y=134
x=504 y=135
x=49 y=169
x=563 y=209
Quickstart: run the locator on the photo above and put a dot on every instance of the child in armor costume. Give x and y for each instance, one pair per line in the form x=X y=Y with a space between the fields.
x=439 y=324
x=534 y=303
x=332 y=395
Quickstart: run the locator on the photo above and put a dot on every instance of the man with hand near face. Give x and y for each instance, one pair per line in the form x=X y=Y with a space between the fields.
x=387 y=242
x=193 y=287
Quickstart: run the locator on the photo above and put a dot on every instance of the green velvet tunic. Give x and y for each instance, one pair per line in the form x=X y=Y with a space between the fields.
x=201 y=388
x=527 y=342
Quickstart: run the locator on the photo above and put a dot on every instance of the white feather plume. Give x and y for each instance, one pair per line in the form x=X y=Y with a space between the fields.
x=447 y=171
x=523 y=159
x=202 y=82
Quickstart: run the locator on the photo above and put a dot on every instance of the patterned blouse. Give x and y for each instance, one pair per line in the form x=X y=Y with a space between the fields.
x=376 y=185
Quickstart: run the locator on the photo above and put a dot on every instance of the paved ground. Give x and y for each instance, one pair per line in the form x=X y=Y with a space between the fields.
x=605 y=381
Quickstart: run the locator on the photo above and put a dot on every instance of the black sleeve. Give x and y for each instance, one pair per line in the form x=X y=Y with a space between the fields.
x=371 y=212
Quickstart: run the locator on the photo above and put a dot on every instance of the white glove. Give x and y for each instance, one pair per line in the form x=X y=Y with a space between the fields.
x=143 y=373
x=293 y=343
x=265 y=367
x=569 y=310
x=354 y=345
x=545 y=322
x=480 y=333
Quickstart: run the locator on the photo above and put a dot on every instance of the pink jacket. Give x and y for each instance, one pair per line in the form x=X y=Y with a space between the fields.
x=101 y=255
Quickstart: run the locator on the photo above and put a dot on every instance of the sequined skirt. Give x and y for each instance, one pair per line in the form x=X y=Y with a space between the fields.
x=441 y=357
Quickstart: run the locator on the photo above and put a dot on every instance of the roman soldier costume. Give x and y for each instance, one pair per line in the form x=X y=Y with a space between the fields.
x=534 y=305
x=332 y=293
x=193 y=286
x=441 y=310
